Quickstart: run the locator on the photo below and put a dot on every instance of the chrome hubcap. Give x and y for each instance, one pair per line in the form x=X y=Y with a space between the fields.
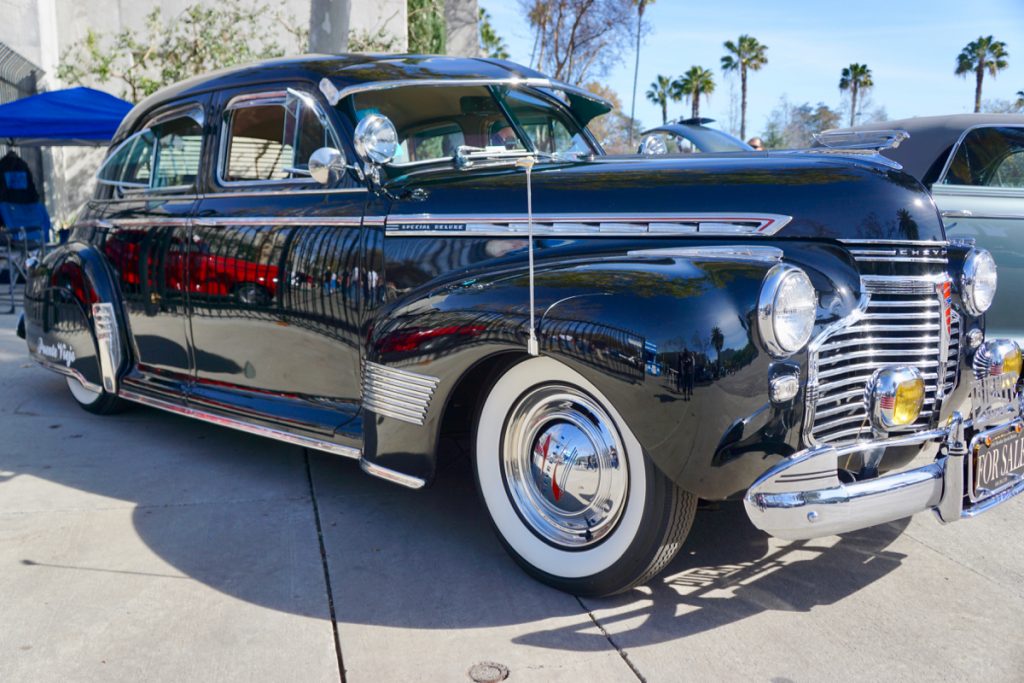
x=565 y=467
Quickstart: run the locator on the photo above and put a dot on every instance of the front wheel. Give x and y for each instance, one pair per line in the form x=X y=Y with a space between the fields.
x=569 y=490
x=97 y=402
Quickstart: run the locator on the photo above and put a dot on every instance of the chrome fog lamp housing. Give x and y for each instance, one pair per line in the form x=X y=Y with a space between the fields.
x=998 y=358
x=978 y=281
x=786 y=310
x=376 y=139
x=895 y=396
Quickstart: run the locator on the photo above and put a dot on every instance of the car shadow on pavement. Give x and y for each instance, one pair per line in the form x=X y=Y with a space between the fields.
x=728 y=571
x=235 y=512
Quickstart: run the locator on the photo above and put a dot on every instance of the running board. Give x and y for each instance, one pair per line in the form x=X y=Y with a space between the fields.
x=278 y=435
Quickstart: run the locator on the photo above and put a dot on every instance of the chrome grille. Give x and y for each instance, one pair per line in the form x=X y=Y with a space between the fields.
x=901 y=321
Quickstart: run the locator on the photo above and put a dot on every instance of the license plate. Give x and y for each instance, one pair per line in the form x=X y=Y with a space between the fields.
x=997 y=460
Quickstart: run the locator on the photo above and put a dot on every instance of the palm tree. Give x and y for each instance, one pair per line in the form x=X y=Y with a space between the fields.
x=979 y=56
x=660 y=92
x=1020 y=99
x=641 y=5
x=718 y=341
x=856 y=78
x=694 y=83
x=746 y=54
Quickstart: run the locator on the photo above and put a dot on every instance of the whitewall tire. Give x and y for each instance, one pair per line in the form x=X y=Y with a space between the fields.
x=97 y=402
x=568 y=487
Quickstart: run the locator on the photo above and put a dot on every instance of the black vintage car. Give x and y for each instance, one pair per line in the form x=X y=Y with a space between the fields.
x=359 y=253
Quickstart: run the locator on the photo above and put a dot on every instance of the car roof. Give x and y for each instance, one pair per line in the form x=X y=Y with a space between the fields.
x=343 y=70
x=933 y=136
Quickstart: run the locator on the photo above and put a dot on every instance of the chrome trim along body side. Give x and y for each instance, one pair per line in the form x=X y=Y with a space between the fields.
x=587 y=225
x=396 y=393
x=240 y=425
x=388 y=474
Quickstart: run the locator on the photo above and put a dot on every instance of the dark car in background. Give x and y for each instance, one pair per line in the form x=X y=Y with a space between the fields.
x=689 y=136
x=974 y=166
x=442 y=247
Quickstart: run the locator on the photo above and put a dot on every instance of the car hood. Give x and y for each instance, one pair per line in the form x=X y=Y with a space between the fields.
x=825 y=195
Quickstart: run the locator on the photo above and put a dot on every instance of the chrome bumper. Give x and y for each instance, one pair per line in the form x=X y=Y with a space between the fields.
x=803 y=497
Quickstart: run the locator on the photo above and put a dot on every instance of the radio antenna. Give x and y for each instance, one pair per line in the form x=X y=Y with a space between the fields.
x=532 y=345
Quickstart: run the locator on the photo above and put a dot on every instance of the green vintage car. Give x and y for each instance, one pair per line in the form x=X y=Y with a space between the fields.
x=974 y=166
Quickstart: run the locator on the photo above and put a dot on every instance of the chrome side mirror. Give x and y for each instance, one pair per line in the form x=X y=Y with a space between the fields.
x=652 y=146
x=327 y=165
x=376 y=139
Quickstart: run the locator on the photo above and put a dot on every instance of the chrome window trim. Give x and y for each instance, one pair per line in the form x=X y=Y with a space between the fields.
x=956 y=148
x=138 y=188
x=266 y=98
x=520 y=81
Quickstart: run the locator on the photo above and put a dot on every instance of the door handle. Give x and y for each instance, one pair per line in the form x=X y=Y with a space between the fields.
x=957 y=213
x=205 y=222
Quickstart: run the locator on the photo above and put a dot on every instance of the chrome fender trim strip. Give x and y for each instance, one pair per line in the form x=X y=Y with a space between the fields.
x=396 y=393
x=391 y=475
x=108 y=341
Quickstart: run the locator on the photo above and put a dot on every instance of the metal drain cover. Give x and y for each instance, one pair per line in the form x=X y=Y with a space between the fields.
x=488 y=672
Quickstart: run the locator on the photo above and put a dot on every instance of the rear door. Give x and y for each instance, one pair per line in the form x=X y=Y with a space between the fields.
x=148 y=193
x=981 y=195
x=274 y=261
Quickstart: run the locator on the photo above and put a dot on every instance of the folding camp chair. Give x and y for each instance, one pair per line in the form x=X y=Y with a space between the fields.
x=25 y=230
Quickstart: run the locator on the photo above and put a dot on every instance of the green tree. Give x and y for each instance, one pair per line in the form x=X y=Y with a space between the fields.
x=577 y=40
x=660 y=92
x=746 y=54
x=979 y=56
x=1020 y=99
x=694 y=83
x=641 y=5
x=170 y=49
x=857 y=79
x=427 y=27
x=491 y=43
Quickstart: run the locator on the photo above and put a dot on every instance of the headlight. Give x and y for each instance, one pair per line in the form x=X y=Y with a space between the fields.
x=786 y=310
x=978 y=281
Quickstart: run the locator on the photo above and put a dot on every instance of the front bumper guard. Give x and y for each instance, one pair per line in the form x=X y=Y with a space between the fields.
x=803 y=497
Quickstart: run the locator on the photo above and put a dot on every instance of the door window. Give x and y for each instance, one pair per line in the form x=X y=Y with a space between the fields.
x=163 y=155
x=989 y=157
x=270 y=137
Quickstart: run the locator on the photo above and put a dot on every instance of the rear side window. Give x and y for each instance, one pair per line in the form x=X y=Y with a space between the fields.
x=270 y=137
x=989 y=157
x=164 y=155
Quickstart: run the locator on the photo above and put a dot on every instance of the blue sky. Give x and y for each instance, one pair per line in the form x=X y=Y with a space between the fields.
x=910 y=46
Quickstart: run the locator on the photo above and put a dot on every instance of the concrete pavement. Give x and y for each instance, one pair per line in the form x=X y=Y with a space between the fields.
x=148 y=546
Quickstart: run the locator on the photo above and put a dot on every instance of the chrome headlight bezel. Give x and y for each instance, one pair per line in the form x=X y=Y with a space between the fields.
x=979 y=266
x=781 y=280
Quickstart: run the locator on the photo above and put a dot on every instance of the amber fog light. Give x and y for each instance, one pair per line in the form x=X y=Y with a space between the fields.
x=998 y=358
x=895 y=396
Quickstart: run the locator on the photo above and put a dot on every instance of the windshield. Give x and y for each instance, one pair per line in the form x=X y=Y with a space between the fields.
x=433 y=122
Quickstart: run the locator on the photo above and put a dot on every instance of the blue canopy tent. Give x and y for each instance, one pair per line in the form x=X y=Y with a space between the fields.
x=76 y=116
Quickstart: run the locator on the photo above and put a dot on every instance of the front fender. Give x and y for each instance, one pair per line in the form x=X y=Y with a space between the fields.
x=59 y=298
x=627 y=323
